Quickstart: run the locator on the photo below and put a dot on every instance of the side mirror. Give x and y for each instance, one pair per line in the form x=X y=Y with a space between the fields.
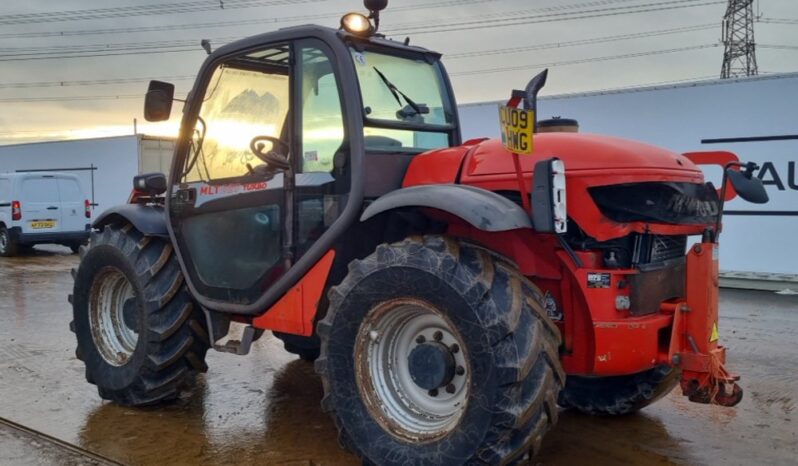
x=549 y=214
x=158 y=101
x=150 y=183
x=748 y=186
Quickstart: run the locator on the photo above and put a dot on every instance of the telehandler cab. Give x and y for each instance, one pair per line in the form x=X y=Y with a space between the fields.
x=451 y=293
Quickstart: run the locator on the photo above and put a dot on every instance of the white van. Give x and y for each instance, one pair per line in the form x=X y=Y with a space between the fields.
x=42 y=207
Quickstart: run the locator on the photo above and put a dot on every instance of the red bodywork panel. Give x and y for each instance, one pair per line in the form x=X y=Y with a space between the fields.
x=590 y=160
x=295 y=311
x=598 y=339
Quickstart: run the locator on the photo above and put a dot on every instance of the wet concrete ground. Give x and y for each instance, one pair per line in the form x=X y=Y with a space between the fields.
x=264 y=408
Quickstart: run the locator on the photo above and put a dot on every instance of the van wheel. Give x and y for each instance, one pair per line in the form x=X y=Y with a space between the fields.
x=8 y=247
x=75 y=247
x=141 y=336
x=438 y=352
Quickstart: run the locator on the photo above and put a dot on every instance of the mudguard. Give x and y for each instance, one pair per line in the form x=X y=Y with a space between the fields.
x=481 y=208
x=148 y=219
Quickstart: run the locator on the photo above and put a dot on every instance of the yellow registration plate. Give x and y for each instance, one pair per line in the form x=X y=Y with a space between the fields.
x=517 y=126
x=42 y=224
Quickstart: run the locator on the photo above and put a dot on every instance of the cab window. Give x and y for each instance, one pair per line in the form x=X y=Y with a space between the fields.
x=244 y=99
x=399 y=91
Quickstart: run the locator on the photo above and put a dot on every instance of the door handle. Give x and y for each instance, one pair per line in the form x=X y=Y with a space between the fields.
x=52 y=207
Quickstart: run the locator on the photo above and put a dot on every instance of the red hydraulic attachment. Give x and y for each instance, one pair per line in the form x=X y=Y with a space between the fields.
x=694 y=344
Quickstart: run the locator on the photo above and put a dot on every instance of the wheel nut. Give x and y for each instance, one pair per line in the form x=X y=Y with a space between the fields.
x=455 y=348
x=450 y=388
x=433 y=392
x=460 y=370
x=438 y=336
x=420 y=339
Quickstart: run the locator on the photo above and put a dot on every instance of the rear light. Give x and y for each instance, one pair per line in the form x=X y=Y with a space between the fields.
x=16 y=210
x=134 y=196
x=87 y=206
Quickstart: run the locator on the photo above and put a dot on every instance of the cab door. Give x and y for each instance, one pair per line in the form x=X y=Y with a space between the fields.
x=250 y=198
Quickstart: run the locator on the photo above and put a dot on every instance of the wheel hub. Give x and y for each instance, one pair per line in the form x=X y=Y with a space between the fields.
x=431 y=365
x=129 y=314
x=412 y=369
x=113 y=316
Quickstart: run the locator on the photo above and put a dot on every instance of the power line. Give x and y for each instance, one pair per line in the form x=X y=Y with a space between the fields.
x=481 y=22
x=580 y=61
x=69 y=98
x=595 y=40
x=454 y=26
x=92 y=50
x=590 y=41
x=142 y=52
x=778 y=20
x=216 y=24
x=139 y=10
x=461 y=73
x=777 y=47
x=92 y=82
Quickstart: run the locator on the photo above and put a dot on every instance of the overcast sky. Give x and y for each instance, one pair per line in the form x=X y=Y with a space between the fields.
x=28 y=59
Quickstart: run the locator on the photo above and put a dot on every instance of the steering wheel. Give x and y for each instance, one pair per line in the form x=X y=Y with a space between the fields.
x=271 y=157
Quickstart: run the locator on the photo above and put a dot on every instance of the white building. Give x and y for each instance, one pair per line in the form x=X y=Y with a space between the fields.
x=106 y=166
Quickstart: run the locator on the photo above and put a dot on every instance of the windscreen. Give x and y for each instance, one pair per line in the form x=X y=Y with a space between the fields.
x=400 y=92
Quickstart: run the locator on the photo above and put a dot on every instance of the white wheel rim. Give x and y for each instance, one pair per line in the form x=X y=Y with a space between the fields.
x=3 y=240
x=115 y=341
x=384 y=342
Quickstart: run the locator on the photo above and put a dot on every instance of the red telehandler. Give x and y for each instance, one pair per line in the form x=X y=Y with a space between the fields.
x=454 y=295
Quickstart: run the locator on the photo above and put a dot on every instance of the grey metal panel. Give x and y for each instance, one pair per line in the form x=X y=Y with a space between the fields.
x=483 y=209
x=150 y=220
x=384 y=173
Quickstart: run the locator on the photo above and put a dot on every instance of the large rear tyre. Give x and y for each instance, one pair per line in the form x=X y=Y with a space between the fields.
x=454 y=361
x=614 y=396
x=139 y=333
x=8 y=247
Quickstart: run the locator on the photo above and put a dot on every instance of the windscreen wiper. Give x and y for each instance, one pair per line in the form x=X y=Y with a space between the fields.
x=396 y=93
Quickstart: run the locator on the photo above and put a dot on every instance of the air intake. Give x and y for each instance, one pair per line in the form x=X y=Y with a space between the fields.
x=558 y=125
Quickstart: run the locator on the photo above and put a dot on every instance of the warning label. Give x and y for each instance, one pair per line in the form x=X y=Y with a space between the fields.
x=598 y=280
x=714 y=336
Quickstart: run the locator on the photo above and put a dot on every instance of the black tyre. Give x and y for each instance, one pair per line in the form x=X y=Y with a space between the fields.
x=139 y=333
x=307 y=348
x=614 y=396
x=8 y=247
x=454 y=361
x=75 y=247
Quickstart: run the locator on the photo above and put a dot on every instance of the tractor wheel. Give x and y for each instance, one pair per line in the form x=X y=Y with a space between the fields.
x=140 y=335
x=307 y=348
x=454 y=358
x=8 y=247
x=614 y=396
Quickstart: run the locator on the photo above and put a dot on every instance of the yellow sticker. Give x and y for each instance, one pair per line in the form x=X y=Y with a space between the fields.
x=517 y=126
x=715 y=335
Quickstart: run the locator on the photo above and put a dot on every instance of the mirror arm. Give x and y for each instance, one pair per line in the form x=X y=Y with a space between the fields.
x=724 y=181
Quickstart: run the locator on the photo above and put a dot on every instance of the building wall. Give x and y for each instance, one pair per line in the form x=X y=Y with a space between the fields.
x=680 y=118
x=116 y=160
